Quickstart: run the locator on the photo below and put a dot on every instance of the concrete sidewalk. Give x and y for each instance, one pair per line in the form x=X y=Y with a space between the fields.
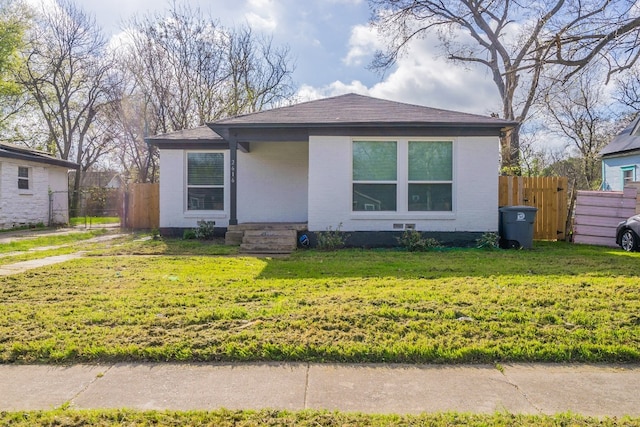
x=591 y=390
x=22 y=266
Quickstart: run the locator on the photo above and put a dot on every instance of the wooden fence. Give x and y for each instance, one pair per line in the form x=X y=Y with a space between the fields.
x=599 y=212
x=548 y=194
x=143 y=206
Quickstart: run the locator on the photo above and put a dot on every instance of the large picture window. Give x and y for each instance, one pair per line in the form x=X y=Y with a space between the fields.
x=430 y=176
x=402 y=176
x=205 y=181
x=375 y=175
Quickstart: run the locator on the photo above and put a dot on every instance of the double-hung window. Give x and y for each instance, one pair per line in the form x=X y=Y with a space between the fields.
x=628 y=174
x=23 y=178
x=205 y=181
x=375 y=175
x=430 y=176
x=403 y=176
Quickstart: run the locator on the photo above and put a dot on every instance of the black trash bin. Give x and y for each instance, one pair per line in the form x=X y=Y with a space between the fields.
x=516 y=226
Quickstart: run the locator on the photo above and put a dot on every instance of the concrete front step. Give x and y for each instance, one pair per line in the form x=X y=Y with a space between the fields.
x=270 y=234
x=297 y=226
x=265 y=238
x=233 y=238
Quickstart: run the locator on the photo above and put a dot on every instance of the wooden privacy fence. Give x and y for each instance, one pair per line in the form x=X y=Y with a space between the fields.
x=599 y=212
x=142 y=203
x=548 y=194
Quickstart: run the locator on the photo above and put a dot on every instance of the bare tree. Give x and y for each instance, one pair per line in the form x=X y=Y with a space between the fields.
x=258 y=73
x=515 y=41
x=185 y=70
x=128 y=127
x=68 y=75
x=580 y=113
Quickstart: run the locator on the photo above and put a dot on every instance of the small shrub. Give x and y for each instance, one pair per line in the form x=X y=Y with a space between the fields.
x=331 y=240
x=413 y=241
x=188 y=235
x=205 y=230
x=155 y=234
x=488 y=241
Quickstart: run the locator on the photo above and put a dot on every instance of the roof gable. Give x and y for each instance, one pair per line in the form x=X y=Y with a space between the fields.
x=349 y=114
x=627 y=140
x=353 y=109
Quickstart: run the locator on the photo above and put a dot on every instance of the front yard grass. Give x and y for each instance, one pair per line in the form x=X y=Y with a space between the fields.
x=36 y=241
x=558 y=302
x=223 y=418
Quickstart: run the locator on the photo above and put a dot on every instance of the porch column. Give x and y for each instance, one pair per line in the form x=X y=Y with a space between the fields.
x=233 y=185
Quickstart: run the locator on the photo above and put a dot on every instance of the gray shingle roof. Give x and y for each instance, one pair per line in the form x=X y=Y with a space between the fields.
x=198 y=133
x=358 y=109
x=12 y=151
x=624 y=141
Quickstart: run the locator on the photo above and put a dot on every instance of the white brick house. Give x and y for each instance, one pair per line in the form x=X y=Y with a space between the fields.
x=33 y=187
x=373 y=167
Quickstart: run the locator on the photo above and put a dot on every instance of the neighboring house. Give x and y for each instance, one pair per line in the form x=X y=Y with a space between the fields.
x=369 y=166
x=100 y=193
x=33 y=187
x=621 y=158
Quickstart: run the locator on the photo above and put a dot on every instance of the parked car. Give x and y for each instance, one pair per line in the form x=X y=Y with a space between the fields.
x=627 y=234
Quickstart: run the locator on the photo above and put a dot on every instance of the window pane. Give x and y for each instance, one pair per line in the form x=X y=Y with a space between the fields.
x=374 y=197
x=205 y=199
x=23 y=184
x=430 y=161
x=430 y=197
x=205 y=169
x=374 y=161
x=23 y=172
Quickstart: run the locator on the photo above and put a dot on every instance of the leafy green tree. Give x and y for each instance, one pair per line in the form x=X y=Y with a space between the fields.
x=13 y=22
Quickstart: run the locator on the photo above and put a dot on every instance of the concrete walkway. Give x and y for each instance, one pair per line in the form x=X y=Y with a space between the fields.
x=591 y=390
x=21 y=267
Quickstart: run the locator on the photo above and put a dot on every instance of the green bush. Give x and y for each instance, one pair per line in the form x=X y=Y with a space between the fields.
x=189 y=234
x=413 y=241
x=488 y=241
x=205 y=230
x=331 y=240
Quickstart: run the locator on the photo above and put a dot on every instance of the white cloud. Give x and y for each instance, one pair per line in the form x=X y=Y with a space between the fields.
x=422 y=77
x=309 y=93
x=363 y=43
x=262 y=15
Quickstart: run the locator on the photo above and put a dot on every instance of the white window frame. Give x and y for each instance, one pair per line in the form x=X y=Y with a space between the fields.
x=409 y=182
x=402 y=183
x=388 y=182
x=26 y=179
x=187 y=186
x=626 y=169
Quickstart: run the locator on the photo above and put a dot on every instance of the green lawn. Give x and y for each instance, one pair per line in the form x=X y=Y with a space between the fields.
x=224 y=418
x=557 y=302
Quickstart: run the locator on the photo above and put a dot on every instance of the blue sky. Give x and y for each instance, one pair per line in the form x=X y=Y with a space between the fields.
x=332 y=46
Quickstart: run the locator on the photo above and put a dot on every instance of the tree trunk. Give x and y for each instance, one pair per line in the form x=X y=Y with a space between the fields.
x=510 y=150
x=75 y=196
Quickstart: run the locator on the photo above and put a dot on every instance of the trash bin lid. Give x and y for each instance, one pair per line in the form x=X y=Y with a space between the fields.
x=521 y=208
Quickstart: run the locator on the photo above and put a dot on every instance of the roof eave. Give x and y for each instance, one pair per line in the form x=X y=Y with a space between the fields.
x=498 y=125
x=38 y=159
